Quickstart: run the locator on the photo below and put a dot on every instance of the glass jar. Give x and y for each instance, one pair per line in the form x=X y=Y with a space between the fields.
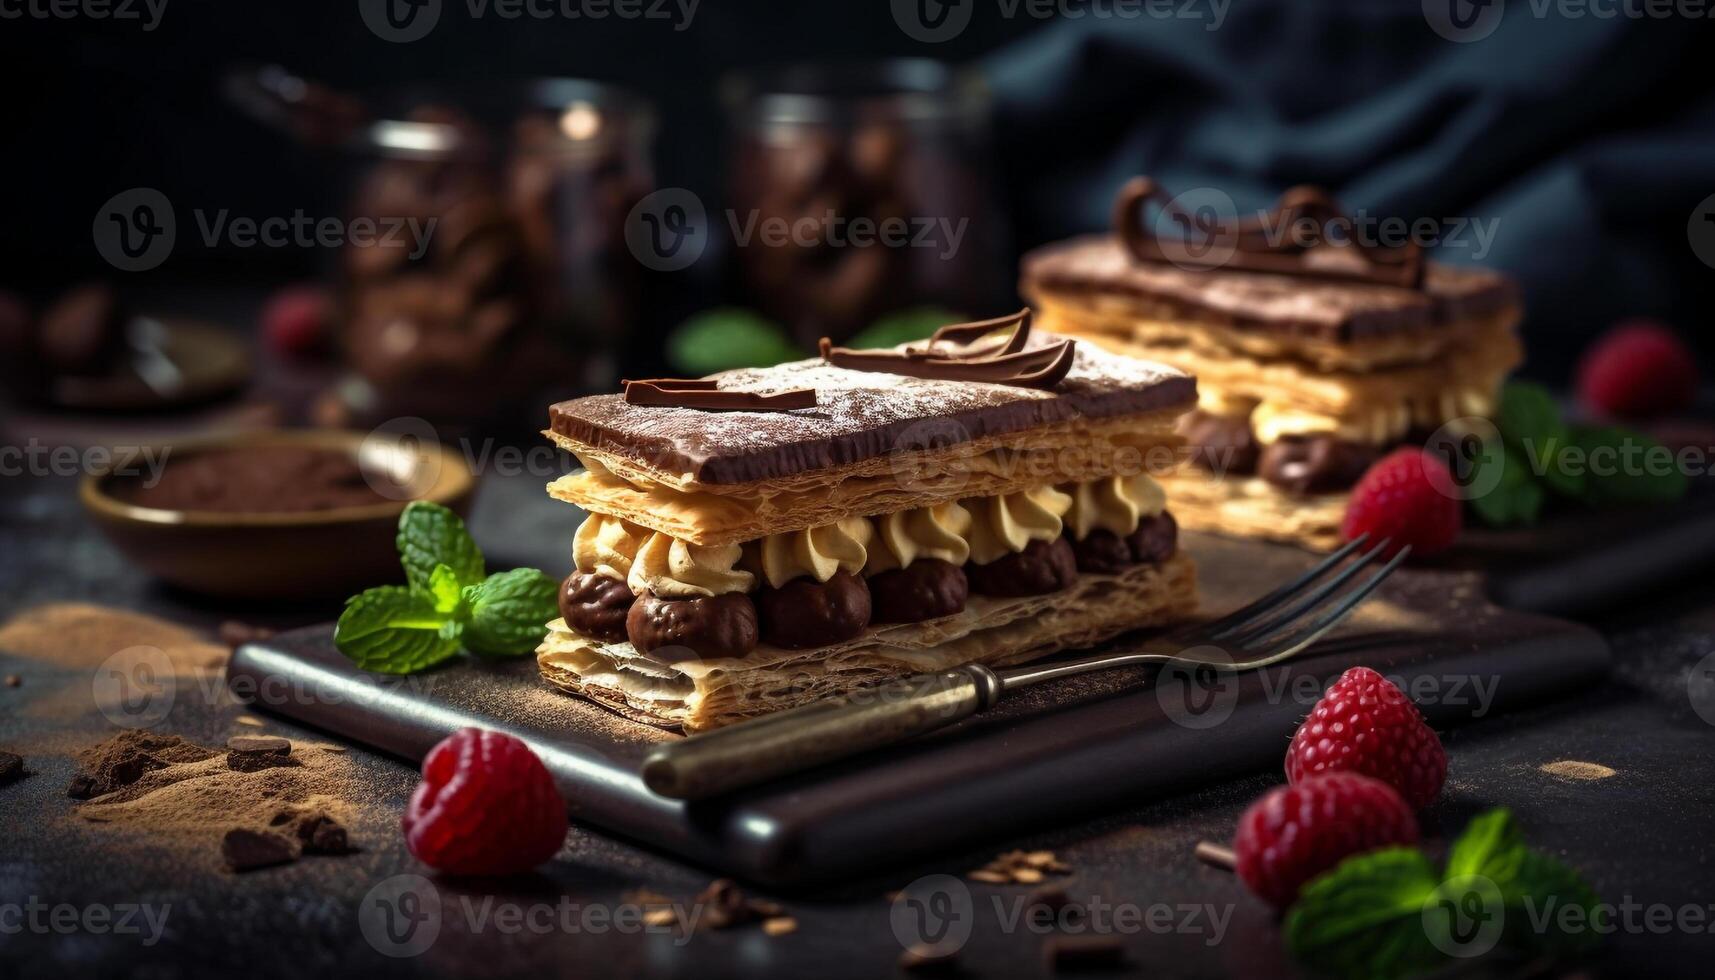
x=860 y=191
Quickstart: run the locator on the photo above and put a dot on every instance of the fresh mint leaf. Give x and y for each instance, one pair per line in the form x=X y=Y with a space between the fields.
x=1491 y=846
x=1549 y=906
x=1365 y=917
x=1528 y=412
x=903 y=327
x=395 y=630
x=509 y=612
x=1624 y=467
x=431 y=535
x=445 y=591
x=1516 y=497
x=1558 y=473
x=723 y=339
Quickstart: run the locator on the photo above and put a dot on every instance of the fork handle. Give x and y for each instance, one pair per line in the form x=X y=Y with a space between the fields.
x=802 y=738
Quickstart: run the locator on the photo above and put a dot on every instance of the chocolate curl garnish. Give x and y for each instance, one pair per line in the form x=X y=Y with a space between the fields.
x=1006 y=363
x=706 y=395
x=1261 y=244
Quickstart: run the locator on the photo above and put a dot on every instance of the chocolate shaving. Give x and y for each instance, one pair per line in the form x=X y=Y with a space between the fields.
x=706 y=395
x=1006 y=363
x=1247 y=244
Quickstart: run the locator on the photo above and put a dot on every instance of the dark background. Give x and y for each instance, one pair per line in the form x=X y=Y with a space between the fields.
x=1591 y=138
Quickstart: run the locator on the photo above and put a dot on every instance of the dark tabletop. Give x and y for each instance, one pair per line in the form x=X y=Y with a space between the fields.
x=1645 y=835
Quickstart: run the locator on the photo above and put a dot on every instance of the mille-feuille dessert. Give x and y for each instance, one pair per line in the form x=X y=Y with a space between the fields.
x=767 y=537
x=1311 y=361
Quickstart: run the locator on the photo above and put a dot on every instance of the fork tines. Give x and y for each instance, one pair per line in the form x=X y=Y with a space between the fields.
x=1300 y=612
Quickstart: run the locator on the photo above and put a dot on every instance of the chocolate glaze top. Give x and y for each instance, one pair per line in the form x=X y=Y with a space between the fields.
x=860 y=415
x=1326 y=309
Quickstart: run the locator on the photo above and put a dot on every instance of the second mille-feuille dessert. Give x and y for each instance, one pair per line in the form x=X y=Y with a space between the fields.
x=1312 y=361
x=768 y=537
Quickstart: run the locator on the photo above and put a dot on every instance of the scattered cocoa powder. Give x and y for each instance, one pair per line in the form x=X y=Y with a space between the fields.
x=13 y=680
x=250 y=817
x=82 y=635
x=127 y=757
x=1575 y=769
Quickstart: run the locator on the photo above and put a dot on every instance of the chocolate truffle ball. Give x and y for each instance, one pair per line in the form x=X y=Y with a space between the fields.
x=1220 y=443
x=925 y=589
x=596 y=605
x=1102 y=553
x=1315 y=464
x=805 y=613
x=710 y=627
x=1155 y=540
x=1042 y=567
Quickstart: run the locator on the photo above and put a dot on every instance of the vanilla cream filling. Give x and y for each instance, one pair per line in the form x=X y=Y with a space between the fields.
x=817 y=553
x=607 y=546
x=668 y=567
x=906 y=536
x=979 y=529
x=1116 y=504
x=1007 y=524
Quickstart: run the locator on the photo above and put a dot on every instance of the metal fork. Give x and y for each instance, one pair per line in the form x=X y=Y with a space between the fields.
x=1276 y=627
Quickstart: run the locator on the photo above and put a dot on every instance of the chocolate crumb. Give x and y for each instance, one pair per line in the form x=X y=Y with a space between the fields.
x=251 y=753
x=126 y=758
x=924 y=958
x=1020 y=868
x=315 y=830
x=235 y=634
x=259 y=743
x=251 y=720
x=779 y=925
x=725 y=906
x=660 y=917
x=13 y=680
x=11 y=768
x=1083 y=953
x=247 y=850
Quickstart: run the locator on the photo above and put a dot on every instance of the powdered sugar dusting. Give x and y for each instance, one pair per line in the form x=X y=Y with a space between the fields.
x=861 y=414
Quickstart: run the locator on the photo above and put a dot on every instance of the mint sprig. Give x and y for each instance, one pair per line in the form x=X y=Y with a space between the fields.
x=1385 y=913
x=1540 y=455
x=447 y=602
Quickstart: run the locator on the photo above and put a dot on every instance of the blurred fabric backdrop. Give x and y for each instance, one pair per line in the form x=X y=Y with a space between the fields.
x=1589 y=140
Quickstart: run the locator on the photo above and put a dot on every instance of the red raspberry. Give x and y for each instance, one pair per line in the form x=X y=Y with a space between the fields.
x=1406 y=497
x=486 y=806
x=1638 y=369
x=1364 y=724
x=295 y=321
x=1294 y=833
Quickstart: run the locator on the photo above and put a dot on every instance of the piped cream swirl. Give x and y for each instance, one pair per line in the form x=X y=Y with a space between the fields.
x=607 y=546
x=674 y=569
x=905 y=536
x=817 y=552
x=1008 y=523
x=1114 y=504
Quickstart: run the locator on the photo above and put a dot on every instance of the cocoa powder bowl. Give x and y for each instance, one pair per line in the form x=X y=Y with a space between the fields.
x=286 y=515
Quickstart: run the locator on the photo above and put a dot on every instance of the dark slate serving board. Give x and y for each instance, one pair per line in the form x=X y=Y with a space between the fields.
x=1055 y=752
